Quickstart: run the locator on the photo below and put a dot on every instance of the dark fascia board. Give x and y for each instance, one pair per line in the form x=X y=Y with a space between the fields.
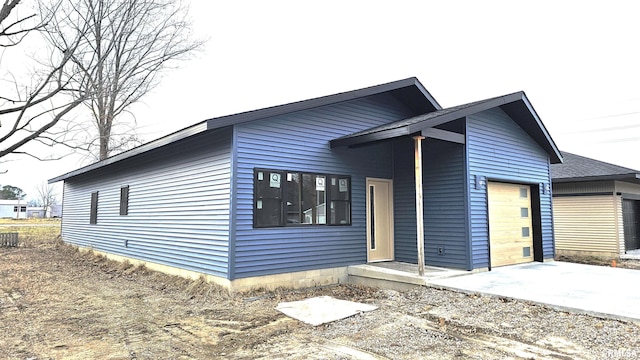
x=176 y=136
x=318 y=102
x=421 y=125
x=427 y=94
x=511 y=102
x=228 y=120
x=633 y=178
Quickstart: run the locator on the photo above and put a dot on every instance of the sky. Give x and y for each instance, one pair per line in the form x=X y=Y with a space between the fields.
x=577 y=61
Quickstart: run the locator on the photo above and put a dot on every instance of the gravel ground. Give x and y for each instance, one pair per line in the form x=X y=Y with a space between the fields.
x=58 y=303
x=440 y=324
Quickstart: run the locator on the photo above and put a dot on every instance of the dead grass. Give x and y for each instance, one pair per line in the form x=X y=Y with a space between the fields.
x=57 y=302
x=9 y=221
x=590 y=260
x=33 y=232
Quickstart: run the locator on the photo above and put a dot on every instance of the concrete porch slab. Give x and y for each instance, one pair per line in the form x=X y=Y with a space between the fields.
x=397 y=275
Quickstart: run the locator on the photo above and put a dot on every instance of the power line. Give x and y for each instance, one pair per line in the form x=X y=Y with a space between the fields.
x=612 y=128
x=614 y=115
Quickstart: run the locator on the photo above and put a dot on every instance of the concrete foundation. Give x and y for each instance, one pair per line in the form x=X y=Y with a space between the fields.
x=294 y=280
x=386 y=275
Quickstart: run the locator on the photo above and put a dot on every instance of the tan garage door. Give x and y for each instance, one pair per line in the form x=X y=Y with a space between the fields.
x=510 y=231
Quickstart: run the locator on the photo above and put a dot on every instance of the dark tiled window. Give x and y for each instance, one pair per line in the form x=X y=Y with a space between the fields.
x=124 y=200
x=288 y=198
x=93 y=216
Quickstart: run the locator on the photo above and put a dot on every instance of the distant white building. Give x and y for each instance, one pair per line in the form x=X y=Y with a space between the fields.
x=16 y=209
x=53 y=211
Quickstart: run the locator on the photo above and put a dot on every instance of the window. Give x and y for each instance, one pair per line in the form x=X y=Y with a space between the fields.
x=268 y=198
x=287 y=198
x=93 y=216
x=22 y=209
x=124 y=200
x=524 y=193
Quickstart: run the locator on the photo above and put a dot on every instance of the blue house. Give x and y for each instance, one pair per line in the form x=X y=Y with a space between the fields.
x=292 y=195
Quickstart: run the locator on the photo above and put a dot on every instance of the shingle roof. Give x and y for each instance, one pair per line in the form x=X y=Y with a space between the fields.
x=581 y=168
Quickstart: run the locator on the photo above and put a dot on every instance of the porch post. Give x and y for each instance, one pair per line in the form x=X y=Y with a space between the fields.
x=419 y=207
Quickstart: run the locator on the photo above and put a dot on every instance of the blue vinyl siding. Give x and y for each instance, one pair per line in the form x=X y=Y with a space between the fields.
x=404 y=201
x=300 y=142
x=500 y=150
x=445 y=218
x=178 y=206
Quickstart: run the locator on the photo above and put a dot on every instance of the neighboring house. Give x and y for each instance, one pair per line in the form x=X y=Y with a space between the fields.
x=292 y=195
x=596 y=208
x=15 y=209
x=36 y=212
x=53 y=211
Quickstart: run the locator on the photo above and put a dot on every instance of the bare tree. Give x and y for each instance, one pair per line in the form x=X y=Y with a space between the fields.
x=28 y=112
x=47 y=197
x=128 y=45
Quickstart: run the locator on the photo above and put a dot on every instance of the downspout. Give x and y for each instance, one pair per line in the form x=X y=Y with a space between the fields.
x=419 y=201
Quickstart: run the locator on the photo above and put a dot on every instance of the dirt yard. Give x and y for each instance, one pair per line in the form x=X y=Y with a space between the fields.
x=58 y=303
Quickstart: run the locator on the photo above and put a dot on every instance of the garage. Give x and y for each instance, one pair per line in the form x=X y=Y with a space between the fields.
x=510 y=224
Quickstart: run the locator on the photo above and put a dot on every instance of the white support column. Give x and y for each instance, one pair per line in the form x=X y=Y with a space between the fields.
x=419 y=207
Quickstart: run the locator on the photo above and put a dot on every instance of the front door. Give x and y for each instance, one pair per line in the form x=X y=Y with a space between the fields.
x=379 y=220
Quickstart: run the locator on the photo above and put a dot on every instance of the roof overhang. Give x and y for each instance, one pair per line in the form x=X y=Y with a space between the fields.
x=516 y=105
x=171 y=138
x=408 y=91
x=633 y=178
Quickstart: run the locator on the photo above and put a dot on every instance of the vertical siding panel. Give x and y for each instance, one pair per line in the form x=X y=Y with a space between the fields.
x=300 y=142
x=499 y=149
x=178 y=206
x=585 y=187
x=619 y=219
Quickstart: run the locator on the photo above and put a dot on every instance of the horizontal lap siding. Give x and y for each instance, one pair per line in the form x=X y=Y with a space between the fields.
x=444 y=203
x=404 y=201
x=501 y=150
x=178 y=206
x=300 y=142
x=586 y=223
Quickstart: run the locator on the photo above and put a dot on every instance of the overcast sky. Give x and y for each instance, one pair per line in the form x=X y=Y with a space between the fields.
x=577 y=61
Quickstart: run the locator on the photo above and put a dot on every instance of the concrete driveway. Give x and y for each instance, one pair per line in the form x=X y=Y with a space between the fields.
x=596 y=290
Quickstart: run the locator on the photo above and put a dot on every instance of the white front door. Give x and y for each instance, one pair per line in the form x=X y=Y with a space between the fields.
x=379 y=220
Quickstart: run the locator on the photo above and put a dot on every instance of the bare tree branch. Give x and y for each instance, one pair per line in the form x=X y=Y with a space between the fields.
x=35 y=109
x=47 y=197
x=126 y=46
